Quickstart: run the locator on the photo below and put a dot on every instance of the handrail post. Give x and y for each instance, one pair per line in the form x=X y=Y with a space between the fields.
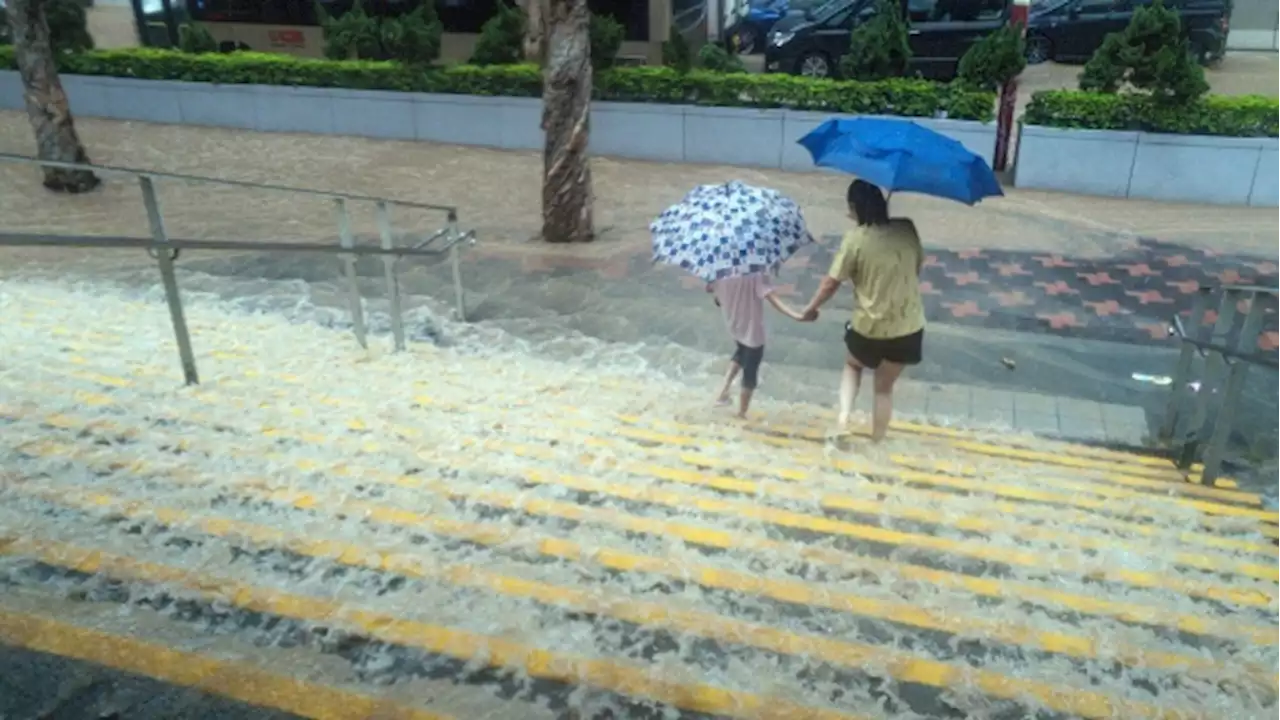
x=1182 y=371
x=165 y=255
x=349 y=264
x=389 y=272
x=1222 y=424
x=459 y=297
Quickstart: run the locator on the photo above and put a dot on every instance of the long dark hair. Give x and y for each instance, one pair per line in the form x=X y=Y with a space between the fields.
x=867 y=203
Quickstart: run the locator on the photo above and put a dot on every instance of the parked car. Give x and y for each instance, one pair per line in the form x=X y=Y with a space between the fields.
x=941 y=32
x=1072 y=30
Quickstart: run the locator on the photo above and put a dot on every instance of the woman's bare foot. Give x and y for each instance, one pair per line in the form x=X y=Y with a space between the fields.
x=722 y=401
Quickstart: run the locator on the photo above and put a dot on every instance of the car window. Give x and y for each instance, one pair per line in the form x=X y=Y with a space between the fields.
x=1101 y=6
x=927 y=11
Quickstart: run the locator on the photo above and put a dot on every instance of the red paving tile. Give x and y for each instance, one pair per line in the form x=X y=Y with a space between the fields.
x=968 y=308
x=966 y=278
x=1186 y=287
x=1269 y=341
x=931 y=261
x=1012 y=299
x=1146 y=297
x=1157 y=331
x=1057 y=287
x=1098 y=278
x=1263 y=268
x=1108 y=307
x=1053 y=261
x=1176 y=261
x=1139 y=270
x=1059 y=321
x=969 y=254
x=1010 y=269
x=1230 y=276
x=927 y=288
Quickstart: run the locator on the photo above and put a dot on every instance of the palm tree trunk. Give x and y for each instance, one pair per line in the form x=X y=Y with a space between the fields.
x=47 y=107
x=566 y=120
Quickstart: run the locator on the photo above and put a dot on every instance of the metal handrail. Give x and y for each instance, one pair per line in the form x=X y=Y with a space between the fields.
x=134 y=172
x=166 y=250
x=1214 y=344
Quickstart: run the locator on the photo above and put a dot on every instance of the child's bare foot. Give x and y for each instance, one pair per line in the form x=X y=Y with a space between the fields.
x=722 y=400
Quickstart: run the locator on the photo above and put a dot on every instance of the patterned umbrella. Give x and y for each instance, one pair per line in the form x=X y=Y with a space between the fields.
x=720 y=231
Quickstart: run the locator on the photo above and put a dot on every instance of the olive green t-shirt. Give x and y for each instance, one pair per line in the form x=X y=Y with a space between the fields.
x=883 y=262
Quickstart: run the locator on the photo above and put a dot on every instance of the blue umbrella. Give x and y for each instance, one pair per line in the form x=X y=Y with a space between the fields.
x=720 y=231
x=901 y=156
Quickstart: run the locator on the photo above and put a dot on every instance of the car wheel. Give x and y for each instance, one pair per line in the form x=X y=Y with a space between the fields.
x=1039 y=50
x=747 y=40
x=814 y=65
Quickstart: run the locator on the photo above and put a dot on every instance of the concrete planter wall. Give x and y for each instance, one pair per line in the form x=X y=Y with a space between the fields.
x=1181 y=168
x=669 y=133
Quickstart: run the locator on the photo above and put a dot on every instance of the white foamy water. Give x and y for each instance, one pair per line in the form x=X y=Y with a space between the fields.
x=562 y=493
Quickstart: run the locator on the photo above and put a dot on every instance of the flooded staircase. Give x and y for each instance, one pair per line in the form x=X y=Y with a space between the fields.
x=476 y=532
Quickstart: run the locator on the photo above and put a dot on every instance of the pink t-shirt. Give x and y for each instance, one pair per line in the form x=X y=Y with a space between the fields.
x=742 y=302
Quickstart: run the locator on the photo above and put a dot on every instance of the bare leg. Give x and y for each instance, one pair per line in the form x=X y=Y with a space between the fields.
x=744 y=401
x=729 y=377
x=850 y=383
x=886 y=375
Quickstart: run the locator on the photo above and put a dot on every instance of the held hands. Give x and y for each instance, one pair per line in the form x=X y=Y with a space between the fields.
x=808 y=315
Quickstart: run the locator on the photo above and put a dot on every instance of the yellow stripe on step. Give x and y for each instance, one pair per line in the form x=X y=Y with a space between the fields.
x=490 y=651
x=901 y=666
x=236 y=681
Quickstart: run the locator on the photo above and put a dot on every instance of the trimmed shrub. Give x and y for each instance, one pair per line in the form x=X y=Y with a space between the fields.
x=68 y=26
x=606 y=40
x=714 y=58
x=878 y=48
x=501 y=40
x=195 y=39
x=676 y=53
x=1151 y=56
x=1247 y=116
x=355 y=35
x=994 y=60
x=896 y=96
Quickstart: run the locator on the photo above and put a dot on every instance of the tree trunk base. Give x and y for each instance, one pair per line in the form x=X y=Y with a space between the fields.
x=70 y=181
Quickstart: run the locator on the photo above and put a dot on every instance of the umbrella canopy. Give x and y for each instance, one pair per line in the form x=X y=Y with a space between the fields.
x=720 y=231
x=901 y=156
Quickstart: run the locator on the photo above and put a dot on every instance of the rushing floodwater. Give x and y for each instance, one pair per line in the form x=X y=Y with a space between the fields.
x=526 y=512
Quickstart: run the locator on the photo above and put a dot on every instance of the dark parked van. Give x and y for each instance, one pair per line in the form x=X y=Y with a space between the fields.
x=941 y=32
x=1071 y=30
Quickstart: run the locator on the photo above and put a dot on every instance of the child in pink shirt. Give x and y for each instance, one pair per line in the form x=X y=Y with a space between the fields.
x=741 y=299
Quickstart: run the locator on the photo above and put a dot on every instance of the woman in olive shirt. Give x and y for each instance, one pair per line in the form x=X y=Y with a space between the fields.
x=882 y=257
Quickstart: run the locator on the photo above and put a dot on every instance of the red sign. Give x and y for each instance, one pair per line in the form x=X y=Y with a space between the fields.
x=286 y=38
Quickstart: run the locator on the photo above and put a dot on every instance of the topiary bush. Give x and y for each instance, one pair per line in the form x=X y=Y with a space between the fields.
x=878 y=48
x=1151 y=55
x=1246 y=116
x=994 y=60
x=411 y=38
x=68 y=26
x=196 y=39
x=676 y=53
x=606 y=40
x=714 y=58
x=501 y=40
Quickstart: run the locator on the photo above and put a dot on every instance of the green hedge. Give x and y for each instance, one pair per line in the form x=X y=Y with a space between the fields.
x=1247 y=116
x=899 y=96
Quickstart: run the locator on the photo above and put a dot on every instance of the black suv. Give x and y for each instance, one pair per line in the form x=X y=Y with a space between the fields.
x=941 y=32
x=1071 y=30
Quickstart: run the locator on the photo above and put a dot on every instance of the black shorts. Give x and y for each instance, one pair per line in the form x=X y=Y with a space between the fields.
x=870 y=352
x=749 y=359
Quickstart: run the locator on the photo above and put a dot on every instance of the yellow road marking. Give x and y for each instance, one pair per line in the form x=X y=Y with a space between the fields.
x=492 y=651
x=712 y=626
x=728 y=540
x=219 y=677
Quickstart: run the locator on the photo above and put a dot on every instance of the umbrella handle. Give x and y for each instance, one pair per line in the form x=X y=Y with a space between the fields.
x=887 y=197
